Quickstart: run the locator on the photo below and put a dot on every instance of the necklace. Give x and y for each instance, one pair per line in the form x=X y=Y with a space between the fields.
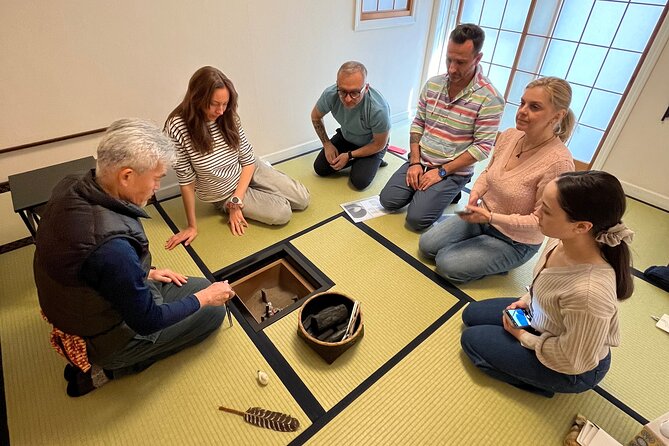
x=533 y=147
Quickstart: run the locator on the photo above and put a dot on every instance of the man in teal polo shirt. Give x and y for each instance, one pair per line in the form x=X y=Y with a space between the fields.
x=364 y=116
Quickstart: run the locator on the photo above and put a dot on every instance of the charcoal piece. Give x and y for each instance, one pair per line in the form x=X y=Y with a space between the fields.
x=326 y=334
x=306 y=323
x=337 y=335
x=329 y=317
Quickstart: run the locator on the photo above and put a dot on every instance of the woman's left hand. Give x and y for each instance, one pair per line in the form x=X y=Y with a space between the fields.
x=515 y=332
x=478 y=215
x=237 y=221
x=167 y=275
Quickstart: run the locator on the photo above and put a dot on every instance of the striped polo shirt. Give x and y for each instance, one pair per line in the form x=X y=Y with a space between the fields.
x=451 y=126
x=216 y=174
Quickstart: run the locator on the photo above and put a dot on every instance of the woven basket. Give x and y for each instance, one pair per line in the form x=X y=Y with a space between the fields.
x=329 y=351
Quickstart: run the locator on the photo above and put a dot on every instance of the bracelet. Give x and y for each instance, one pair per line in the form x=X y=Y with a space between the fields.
x=415 y=164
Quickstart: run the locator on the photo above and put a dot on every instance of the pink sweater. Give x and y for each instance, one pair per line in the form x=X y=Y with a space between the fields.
x=514 y=197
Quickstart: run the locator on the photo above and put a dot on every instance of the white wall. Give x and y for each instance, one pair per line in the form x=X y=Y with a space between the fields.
x=140 y=55
x=639 y=153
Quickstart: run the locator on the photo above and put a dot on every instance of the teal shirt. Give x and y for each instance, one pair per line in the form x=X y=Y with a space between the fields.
x=358 y=125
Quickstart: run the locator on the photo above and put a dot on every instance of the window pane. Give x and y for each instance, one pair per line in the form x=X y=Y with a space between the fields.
x=584 y=142
x=520 y=80
x=515 y=14
x=603 y=23
x=499 y=76
x=637 y=26
x=617 y=70
x=509 y=117
x=558 y=58
x=368 y=5
x=586 y=64
x=401 y=5
x=599 y=109
x=533 y=52
x=471 y=12
x=572 y=19
x=655 y=2
x=489 y=43
x=492 y=13
x=544 y=18
x=507 y=46
x=385 y=5
x=579 y=95
x=485 y=68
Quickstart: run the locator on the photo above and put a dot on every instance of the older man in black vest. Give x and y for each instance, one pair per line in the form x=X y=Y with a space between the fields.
x=113 y=313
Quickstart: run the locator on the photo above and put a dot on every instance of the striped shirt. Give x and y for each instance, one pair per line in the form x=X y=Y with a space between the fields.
x=216 y=174
x=451 y=126
x=575 y=308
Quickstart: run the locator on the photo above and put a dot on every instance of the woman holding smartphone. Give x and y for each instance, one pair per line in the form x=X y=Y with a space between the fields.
x=216 y=162
x=503 y=232
x=582 y=273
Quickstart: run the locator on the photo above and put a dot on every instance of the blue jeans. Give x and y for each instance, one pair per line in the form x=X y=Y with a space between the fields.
x=497 y=353
x=425 y=206
x=142 y=351
x=464 y=251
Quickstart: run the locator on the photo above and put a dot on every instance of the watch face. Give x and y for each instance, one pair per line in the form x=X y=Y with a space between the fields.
x=442 y=172
x=235 y=200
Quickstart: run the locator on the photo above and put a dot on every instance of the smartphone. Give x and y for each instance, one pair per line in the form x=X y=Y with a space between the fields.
x=464 y=212
x=519 y=317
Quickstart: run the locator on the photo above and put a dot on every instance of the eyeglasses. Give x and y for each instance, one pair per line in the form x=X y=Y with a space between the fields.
x=353 y=94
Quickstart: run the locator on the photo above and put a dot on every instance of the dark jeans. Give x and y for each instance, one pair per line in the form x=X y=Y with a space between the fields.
x=497 y=353
x=363 y=170
x=143 y=351
x=425 y=206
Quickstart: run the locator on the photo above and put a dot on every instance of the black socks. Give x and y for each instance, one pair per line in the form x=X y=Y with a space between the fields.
x=80 y=383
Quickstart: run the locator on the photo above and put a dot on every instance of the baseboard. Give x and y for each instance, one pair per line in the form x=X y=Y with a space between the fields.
x=292 y=152
x=645 y=195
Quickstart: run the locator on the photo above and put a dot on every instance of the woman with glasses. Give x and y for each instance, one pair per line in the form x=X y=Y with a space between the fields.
x=364 y=117
x=216 y=163
x=499 y=229
x=581 y=275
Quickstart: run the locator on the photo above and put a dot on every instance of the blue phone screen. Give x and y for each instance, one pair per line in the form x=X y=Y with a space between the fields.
x=519 y=317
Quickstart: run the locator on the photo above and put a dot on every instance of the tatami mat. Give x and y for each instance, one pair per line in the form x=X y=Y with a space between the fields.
x=638 y=374
x=398 y=303
x=218 y=248
x=173 y=402
x=435 y=396
x=651 y=226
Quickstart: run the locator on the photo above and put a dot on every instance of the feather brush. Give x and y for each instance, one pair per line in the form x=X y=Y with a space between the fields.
x=266 y=418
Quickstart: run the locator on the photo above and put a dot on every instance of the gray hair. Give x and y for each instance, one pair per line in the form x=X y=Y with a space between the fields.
x=351 y=67
x=134 y=143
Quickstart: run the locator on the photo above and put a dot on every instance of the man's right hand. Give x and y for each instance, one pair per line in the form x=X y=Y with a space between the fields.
x=413 y=176
x=186 y=236
x=331 y=152
x=216 y=294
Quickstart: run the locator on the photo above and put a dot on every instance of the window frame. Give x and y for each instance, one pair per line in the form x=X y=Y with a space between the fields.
x=384 y=19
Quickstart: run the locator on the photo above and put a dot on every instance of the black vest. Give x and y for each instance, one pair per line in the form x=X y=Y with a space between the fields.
x=78 y=218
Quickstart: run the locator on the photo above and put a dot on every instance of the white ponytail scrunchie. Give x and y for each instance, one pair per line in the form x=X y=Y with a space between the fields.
x=615 y=235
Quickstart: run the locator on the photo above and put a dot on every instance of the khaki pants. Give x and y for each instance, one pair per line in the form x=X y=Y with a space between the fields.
x=271 y=196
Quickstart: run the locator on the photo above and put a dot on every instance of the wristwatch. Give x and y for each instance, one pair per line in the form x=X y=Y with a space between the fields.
x=442 y=172
x=235 y=202
x=350 y=155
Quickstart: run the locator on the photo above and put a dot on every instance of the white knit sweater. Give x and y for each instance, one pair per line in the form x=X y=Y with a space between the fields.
x=575 y=309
